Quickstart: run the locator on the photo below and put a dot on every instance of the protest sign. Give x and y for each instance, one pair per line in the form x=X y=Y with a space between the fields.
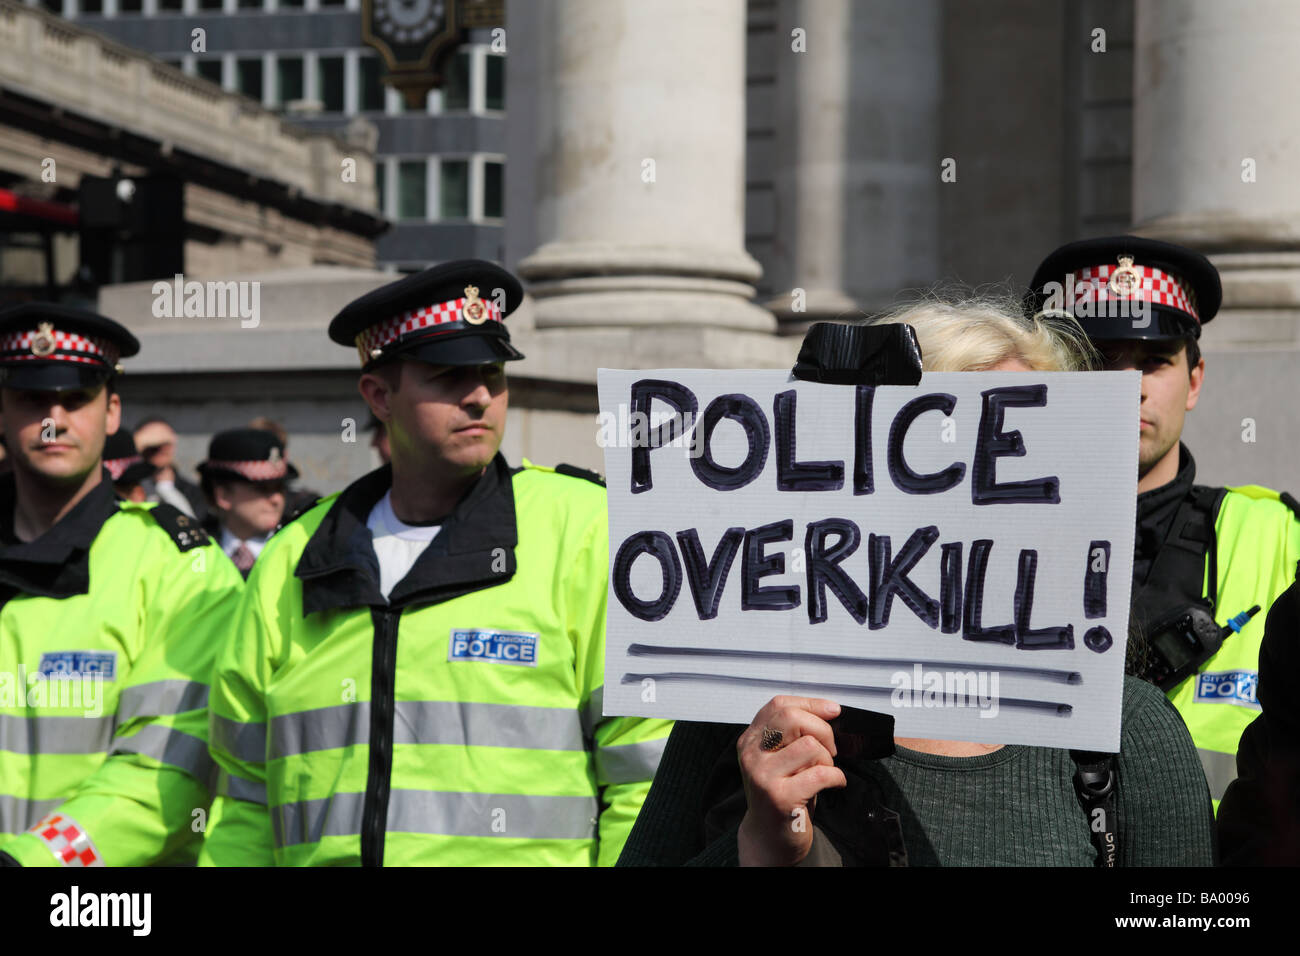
x=956 y=553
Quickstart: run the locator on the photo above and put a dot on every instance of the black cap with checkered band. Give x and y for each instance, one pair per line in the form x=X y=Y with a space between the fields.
x=49 y=347
x=451 y=314
x=1126 y=287
x=246 y=454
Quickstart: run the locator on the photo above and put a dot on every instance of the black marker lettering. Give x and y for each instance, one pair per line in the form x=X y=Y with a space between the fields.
x=792 y=474
x=708 y=578
x=824 y=568
x=890 y=577
x=993 y=444
x=1043 y=638
x=658 y=545
x=644 y=393
x=972 y=629
x=755 y=564
x=742 y=409
x=904 y=477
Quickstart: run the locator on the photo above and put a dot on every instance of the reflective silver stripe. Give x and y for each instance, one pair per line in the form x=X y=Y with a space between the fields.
x=486 y=725
x=429 y=722
x=1220 y=770
x=324 y=728
x=56 y=735
x=517 y=816
x=310 y=820
x=161 y=697
x=593 y=713
x=241 y=789
x=173 y=748
x=242 y=741
x=17 y=814
x=629 y=763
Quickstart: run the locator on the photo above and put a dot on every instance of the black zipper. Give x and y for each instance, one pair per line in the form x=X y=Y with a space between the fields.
x=383 y=679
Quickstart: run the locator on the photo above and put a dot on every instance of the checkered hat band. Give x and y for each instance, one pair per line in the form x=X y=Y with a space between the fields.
x=118 y=466
x=68 y=347
x=70 y=844
x=1153 y=285
x=389 y=331
x=257 y=470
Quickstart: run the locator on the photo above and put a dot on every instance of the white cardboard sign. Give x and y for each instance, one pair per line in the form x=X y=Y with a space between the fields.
x=957 y=553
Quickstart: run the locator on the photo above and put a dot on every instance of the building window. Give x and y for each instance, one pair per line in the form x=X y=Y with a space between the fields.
x=210 y=4
x=294 y=4
x=54 y=6
x=332 y=3
x=288 y=79
x=92 y=7
x=493 y=190
x=209 y=70
x=248 y=78
x=455 y=90
x=130 y=6
x=372 y=87
x=381 y=170
x=250 y=4
x=496 y=82
x=171 y=6
x=329 y=75
x=453 y=201
x=412 y=190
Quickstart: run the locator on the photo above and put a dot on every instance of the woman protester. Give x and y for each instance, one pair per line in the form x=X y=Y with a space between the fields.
x=805 y=784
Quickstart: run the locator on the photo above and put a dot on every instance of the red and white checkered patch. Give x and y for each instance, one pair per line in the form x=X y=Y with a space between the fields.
x=17 y=346
x=257 y=470
x=1092 y=284
x=70 y=844
x=117 y=466
x=390 y=330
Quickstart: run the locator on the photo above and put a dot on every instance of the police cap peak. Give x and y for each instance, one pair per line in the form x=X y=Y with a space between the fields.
x=45 y=346
x=247 y=454
x=1098 y=279
x=450 y=314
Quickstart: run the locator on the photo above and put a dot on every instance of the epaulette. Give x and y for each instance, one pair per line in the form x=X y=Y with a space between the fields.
x=297 y=513
x=573 y=471
x=187 y=533
x=1286 y=499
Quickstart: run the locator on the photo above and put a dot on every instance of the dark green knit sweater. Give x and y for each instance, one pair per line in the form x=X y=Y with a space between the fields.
x=1013 y=807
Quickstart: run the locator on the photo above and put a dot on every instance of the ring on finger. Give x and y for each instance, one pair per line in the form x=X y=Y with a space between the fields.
x=770 y=740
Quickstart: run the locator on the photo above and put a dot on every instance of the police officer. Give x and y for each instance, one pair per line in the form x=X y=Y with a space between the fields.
x=244 y=481
x=1207 y=559
x=416 y=673
x=126 y=466
x=110 y=615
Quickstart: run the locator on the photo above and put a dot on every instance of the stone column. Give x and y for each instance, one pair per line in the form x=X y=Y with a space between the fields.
x=857 y=167
x=638 y=167
x=1216 y=141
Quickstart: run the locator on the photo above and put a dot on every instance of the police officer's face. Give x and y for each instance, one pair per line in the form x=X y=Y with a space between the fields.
x=249 y=508
x=1169 y=392
x=59 y=436
x=450 y=417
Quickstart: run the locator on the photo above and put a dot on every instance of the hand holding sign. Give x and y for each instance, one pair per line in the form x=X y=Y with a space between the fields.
x=782 y=781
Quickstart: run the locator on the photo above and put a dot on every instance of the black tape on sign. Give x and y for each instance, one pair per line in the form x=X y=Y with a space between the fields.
x=837 y=354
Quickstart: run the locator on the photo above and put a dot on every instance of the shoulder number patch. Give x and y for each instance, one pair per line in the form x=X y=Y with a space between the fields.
x=184 y=530
x=497 y=647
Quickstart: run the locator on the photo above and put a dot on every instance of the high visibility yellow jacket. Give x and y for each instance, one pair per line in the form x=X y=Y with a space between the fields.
x=1257 y=550
x=109 y=625
x=458 y=722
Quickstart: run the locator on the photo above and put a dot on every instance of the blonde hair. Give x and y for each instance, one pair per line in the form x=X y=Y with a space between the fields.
x=971 y=333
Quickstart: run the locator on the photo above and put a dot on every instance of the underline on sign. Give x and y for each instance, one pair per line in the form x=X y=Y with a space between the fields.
x=1054 y=675
x=1048 y=707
